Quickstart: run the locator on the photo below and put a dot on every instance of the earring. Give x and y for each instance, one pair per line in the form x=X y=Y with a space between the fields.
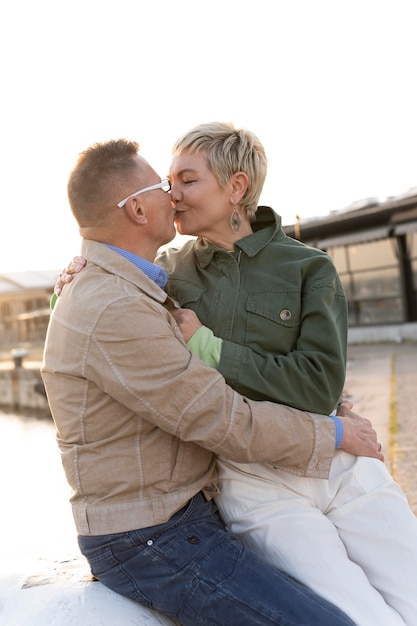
x=235 y=221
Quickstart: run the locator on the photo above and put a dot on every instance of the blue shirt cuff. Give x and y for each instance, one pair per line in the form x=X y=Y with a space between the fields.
x=339 y=429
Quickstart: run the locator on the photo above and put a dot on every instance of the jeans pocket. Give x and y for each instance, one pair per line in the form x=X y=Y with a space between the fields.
x=107 y=557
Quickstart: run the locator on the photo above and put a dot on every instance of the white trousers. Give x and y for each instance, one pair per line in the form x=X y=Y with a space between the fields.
x=351 y=538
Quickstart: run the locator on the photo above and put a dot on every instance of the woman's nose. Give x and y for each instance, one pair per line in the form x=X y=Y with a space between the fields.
x=174 y=195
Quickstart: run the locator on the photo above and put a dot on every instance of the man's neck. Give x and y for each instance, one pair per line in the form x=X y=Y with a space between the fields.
x=144 y=249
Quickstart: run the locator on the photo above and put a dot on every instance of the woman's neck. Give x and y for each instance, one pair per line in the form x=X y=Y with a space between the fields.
x=228 y=239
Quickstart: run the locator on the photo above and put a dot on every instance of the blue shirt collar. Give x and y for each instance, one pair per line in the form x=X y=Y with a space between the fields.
x=152 y=271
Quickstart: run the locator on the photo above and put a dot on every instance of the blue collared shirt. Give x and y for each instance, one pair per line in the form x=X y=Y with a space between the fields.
x=152 y=271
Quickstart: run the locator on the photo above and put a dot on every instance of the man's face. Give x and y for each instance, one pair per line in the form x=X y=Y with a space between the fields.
x=156 y=205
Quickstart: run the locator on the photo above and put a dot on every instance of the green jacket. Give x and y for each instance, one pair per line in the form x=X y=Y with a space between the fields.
x=278 y=306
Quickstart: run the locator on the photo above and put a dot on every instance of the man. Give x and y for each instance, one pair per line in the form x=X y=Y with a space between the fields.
x=140 y=420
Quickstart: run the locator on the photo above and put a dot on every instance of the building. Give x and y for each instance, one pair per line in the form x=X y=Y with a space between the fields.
x=374 y=248
x=24 y=307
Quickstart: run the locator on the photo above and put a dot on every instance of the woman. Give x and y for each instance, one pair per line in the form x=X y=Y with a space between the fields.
x=279 y=317
x=275 y=326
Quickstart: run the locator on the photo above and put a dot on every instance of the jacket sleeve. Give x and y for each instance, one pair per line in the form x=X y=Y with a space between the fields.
x=311 y=376
x=150 y=371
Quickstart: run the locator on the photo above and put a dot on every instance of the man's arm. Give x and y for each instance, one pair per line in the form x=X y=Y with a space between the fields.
x=359 y=437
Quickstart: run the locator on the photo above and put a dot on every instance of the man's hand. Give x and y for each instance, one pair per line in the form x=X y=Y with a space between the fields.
x=66 y=276
x=188 y=322
x=359 y=438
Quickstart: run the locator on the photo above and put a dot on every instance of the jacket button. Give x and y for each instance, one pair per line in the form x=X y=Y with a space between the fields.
x=193 y=539
x=149 y=542
x=285 y=315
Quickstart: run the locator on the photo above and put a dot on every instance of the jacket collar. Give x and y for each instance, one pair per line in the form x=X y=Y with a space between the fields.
x=114 y=263
x=266 y=226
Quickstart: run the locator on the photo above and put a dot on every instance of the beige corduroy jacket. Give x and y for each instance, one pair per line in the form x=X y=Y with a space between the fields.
x=139 y=419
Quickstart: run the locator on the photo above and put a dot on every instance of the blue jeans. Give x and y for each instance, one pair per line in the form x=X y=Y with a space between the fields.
x=194 y=571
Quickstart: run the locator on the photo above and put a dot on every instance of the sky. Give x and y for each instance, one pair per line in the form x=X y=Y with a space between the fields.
x=327 y=85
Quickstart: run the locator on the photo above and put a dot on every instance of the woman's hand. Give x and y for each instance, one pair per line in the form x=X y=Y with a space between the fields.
x=188 y=322
x=66 y=276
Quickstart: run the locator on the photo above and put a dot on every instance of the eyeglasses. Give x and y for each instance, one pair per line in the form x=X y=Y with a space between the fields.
x=165 y=185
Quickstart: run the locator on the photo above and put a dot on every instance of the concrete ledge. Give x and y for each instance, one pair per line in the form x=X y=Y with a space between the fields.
x=18 y=390
x=61 y=593
x=393 y=333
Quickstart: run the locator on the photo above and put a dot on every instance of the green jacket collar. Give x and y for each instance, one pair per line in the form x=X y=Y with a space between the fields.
x=266 y=226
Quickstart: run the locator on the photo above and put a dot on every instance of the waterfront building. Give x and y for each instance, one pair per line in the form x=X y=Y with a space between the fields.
x=374 y=248
x=24 y=307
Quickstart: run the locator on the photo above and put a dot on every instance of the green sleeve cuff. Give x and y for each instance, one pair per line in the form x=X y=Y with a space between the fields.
x=206 y=346
x=52 y=301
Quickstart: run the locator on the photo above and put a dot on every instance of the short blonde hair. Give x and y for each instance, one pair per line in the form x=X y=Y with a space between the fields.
x=229 y=150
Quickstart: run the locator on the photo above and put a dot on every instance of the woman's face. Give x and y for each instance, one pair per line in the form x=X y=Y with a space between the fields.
x=202 y=206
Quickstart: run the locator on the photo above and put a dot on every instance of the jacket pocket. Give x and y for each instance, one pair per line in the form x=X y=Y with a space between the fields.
x=280 y=307
x=273 y=320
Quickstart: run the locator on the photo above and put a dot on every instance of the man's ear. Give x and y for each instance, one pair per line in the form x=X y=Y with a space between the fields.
x=239 y=182
x=135 y=211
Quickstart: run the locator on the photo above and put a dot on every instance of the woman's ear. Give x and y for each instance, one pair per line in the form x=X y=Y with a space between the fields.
x=239 y=182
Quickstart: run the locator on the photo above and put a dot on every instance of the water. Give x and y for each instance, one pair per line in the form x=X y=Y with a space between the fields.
x=42 y=576
x=36 y=519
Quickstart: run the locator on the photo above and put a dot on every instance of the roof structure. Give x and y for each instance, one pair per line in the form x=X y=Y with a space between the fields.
x=395 y=216
x=16 y=282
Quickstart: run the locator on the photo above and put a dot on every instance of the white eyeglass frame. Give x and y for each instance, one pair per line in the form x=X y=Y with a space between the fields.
x=164 y=183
